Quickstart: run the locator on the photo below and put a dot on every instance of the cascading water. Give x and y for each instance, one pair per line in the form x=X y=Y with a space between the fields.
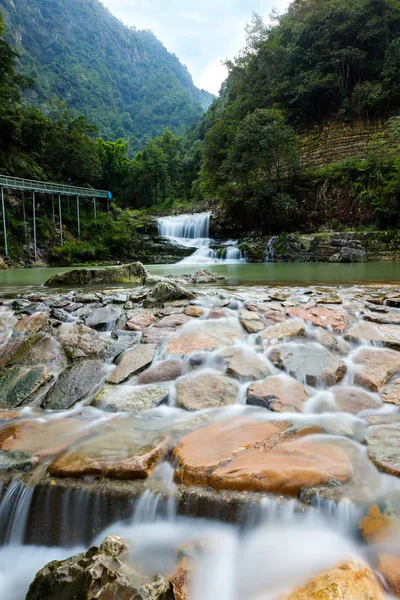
x=193 y=231
x=270 y=249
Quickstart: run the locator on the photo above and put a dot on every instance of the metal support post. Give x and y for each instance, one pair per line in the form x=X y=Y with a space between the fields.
x=34 y=223
x=79 y=219
x=95 y=208
x=3 y=208
x=52 y=209
x=24 y=215
x=60 y=214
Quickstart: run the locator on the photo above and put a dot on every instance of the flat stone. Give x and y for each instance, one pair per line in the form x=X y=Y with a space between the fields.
x=117 y=451
x=321 y=316
x=132 y=362
x=104 y=319
x=19 y=384
x=206 y=335
x=121 y=341
x=246 y=455
x=134 y=273
x=243 y=363
x=206 y=390
x=129 y=398
x=173 y=321
x=329 y=299
x=388 y=335
x=218 y=312
x=80 y=341
x=286 y=330
x=167 y=370
x=391 y=393
x=375 y=367
x=156 y=335
x=333 y=342
x=310 y=363
x=279 y=393
x=141 y=321
x=74 y=384
x=194 y=311
x=385 y=319
x=61 y=315
x=384 y=447
x=167 y=291
x=353 y=400
x=351 y=579
x=251 y=321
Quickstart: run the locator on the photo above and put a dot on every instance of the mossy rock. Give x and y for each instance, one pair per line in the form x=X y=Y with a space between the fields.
x=133 y=273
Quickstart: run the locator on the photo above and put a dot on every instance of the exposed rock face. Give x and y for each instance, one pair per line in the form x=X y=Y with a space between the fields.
x=388 y=335
x=243 y=363
x=74 y=384
x=309 y=362
x=19 y=384
x=206 y=390
x=98 y=574
x=134 y=273
x=384 y=447
x=375 y=367
x=207 y=335
x=321 y=316
x=251 y=321
x=391 y=394
x=141 y=320
x=167 y=370
x=80 y=341
x=126 y=398
x=103 y=319
x=353 y=400
x=167 y=291
x=241 y=454
x=286 y=330
x=132 y=362
x=278 y=393
x=203 y=276
x=389 y=566
x=381 y=522
x=352 y=579
x=349 y=255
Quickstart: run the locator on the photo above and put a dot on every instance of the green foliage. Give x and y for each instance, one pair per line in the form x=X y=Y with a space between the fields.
x=122 y=79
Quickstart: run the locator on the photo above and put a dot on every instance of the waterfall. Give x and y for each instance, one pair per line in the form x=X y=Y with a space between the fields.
x=193 y=231
x=270 y=249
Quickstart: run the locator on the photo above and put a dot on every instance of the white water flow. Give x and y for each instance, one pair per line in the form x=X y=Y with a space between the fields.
x=193 y=231
x=270 y=257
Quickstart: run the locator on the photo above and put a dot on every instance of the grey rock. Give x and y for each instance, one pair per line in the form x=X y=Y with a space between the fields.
x=132 y=362
x=129 y=398
x=74 y=384
x=80 y=341
x=103 y=319
x=166 y=291
x=134 y=273
x=349 y=255
x=19 y=384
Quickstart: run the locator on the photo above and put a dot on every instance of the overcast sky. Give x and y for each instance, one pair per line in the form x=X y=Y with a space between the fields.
x=201 y=33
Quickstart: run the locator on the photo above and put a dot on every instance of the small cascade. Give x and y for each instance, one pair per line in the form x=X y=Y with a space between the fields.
x=270 y=249
x=193 y=231
x=14 y=512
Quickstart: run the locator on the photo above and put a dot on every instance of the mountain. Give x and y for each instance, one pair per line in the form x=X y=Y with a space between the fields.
x=121 y=79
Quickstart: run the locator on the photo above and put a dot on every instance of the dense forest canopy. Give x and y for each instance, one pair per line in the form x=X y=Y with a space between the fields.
x=121 y=79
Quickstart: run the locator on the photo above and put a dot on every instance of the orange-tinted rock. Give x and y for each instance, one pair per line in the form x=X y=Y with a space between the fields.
x=206 y=390
x=391 y=393
x=251 y=321
x=381 y=522
x=375 y=367
x=32 y=324
x=353 y=400
x=117 y=451
x=388 y=335
x=141 y=320
x=290 y=328
x=389 y=566
x=321 y=316
x=384 y=446
x=241 y=454
x=207 y=335
x=167 y=370
x=194 y=311
x=278 y=393
x=179 y=581
x=218 y=312
x=351 y=580
x=173 y=321
x=244 y=363
x=156 y=335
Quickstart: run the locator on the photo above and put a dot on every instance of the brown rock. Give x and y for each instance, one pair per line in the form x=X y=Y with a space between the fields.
x=218 y=312
x=388 y=335
x=194 y=311
x=321 y=316
x=80 y=341
x=117 y=451
x=350 y=580
x=381 y=522
x=206 y=390
x=130 y=398
x=384 y=446
x=32 y=324
x=208 y=335
x=241 y=454
x=141 y=320
x=173 y=321
x=244 y=363
x=167 y=370
x=329 y=299
x=353 y=400
x=278 y=393
x=391 y=393
x=251 y=321
x=156 y=335
x=385 y=319
x=132 y=362
x=375 y=367
x=389 y=566
x=288 y=329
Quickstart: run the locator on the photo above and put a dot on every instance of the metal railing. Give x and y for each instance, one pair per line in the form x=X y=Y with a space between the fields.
x=15 y=183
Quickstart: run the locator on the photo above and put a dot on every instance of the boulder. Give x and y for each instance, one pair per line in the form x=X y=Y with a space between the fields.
x=349 y=255
x=141 y=321
x=389 y=318
x=384 y=446
x=120 y=341
x=156 y=335
x=310 y=363
x=74 y=384
x=205 y=335
x=391 y=393
x=203 y=276
x=167 y=370
x=29 y=349
x=286 y=330
x=101 y=573
x=19 y=384
x=167 y=291
x=129 y=398
x=206 y=390
x=103 y=319
x=375 y=367
x=389 y=567
x=353 y=400
x=38 y=322
x=3 y=265
x=251 y=321
x=380 y=523
x=349 y=580
x=173 y=321
x=245 y=455
x=133 y=273
x=278 y=393
x=388 y=335
x=321 y=316
x=132 y=362
x=117 y=451
x=80 y=341
x=243 y=363
x=194 y=311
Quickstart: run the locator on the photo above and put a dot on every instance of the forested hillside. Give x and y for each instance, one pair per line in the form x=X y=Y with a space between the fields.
x=121 y=79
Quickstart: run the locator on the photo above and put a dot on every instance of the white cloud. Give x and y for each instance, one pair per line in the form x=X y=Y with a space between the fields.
x=202 y=33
